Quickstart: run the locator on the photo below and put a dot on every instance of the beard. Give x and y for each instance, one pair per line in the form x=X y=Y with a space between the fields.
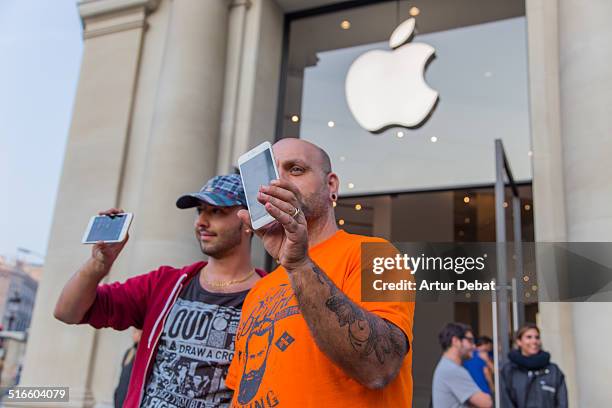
x=315 y=205
x=467 y=356
x=249 y=384
x=224 y=242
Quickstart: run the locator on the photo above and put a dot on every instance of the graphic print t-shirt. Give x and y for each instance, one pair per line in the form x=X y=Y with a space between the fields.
x=195 y=350
x=278 y=364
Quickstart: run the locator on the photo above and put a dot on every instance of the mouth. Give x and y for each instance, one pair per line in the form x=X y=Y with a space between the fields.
x=206 y=236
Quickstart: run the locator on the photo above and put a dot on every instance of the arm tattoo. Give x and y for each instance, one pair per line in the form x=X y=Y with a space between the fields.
x=367 y=333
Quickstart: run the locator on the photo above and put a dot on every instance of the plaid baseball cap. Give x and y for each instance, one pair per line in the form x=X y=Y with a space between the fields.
x=220 y=191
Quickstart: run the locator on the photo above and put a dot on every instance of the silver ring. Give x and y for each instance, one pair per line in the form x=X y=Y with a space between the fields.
x=296 y=212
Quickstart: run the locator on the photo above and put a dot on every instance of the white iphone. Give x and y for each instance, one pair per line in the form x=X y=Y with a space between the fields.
x=107 y=228
x=257 y=168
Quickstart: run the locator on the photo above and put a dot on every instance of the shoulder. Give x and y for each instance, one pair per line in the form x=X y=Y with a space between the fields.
x=474 y=362
x=445 y=368
x=509 y=369
x=267 y=279
x=439 y=371
x=452 y=375
x=554 y=369
x=190 y=268
x=167 y=273
x=356 y=243
x=359 y=239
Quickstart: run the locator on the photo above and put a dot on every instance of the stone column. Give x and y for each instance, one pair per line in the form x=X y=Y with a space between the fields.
x=57 y=354
x=183 y=145
x=585 y=54
x=585 y=57
x=234 y=67
x=135 y=142
x=555 y=320
x=173 y=151
x=571 y=118
x=253 y=60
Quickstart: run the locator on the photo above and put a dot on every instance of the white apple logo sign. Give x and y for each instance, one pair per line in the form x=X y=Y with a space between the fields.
x=386 y=88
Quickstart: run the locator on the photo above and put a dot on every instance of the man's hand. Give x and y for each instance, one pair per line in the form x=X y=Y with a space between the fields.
x=80 y=292
x=103 y=255
x=481 y=400
x=286 y=240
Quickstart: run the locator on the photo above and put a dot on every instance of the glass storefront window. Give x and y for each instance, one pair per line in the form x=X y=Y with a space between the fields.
x=479 y=70
x=461 y=215
x=427 y=184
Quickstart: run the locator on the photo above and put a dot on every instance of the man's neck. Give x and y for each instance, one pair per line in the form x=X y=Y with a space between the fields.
x=233 y=266
x=322 y=229
x=453 y=355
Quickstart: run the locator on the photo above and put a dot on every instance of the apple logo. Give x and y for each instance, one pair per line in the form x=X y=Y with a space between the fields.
x=387 y=88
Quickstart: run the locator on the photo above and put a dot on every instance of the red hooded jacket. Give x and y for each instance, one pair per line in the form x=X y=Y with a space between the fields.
x=143 y=302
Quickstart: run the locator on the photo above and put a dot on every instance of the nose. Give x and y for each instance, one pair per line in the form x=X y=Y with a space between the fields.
x=202 y=220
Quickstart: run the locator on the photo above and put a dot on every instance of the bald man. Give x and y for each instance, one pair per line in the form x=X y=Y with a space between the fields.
x=305 y=338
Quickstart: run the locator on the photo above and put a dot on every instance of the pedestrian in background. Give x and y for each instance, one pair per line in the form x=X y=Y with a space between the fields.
x=126 y=369
x=480 y=366
x=529 y=379
x=452 y=385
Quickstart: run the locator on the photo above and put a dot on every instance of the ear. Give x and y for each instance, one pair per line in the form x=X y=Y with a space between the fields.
x=246 y=219
x=246 y=227
x=456 y=341
x=333 y=185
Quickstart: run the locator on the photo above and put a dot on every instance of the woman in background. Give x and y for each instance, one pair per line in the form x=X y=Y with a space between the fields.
x=529 y=379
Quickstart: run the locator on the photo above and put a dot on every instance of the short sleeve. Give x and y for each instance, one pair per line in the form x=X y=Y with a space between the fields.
x=121 y=305
x=461 y=384
x=401 y=314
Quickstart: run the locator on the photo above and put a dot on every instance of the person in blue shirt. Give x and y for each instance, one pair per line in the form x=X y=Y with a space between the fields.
x=480 y=365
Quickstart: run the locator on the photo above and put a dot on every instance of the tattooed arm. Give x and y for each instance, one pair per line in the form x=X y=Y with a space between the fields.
x=367 y=347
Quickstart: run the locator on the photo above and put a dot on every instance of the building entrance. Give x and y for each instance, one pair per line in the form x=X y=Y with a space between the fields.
x=459 y=215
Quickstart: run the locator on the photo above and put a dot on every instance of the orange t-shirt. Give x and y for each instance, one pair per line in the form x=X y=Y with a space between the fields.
x=283 y=365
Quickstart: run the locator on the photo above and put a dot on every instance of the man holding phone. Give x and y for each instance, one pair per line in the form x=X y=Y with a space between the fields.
x=305 y=339
x=188 y=315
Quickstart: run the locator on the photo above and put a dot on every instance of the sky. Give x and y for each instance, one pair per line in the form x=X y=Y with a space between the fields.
x=40 y=53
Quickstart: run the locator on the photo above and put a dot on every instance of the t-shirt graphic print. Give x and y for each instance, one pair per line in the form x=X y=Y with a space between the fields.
x=195 y=350
x=278 y=363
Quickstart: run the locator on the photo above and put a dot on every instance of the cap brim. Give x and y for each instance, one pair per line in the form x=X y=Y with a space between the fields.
x=195 y=199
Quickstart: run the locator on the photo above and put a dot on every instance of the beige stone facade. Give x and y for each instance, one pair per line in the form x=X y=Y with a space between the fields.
x=570 y=123
x=149 y=111
x=171 y=92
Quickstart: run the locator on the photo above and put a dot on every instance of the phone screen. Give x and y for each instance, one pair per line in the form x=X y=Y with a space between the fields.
x=257 y=171
x=105 y=228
